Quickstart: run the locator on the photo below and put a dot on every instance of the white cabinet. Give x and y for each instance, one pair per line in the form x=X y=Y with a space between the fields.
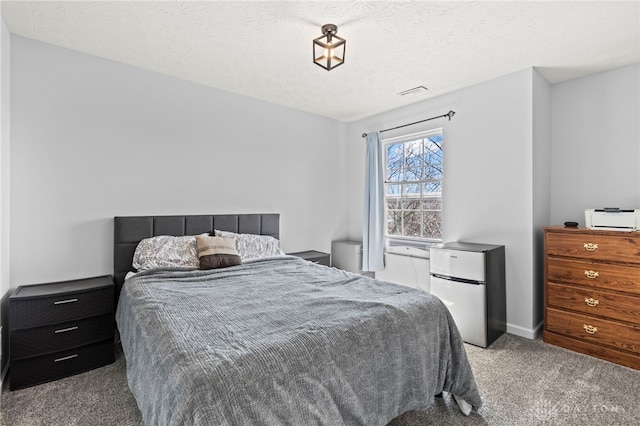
x=406 y=269
x=347 y=255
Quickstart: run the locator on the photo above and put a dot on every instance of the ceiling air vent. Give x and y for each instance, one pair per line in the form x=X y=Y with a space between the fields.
x=415 y=91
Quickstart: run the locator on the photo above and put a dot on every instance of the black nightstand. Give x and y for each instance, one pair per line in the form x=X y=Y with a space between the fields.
x=314 y=256
x=60 y=329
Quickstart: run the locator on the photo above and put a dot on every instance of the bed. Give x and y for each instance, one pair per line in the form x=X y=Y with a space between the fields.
x=277 y=340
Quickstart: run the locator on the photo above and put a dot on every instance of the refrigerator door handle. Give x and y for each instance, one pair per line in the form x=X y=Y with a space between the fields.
x=457 y=280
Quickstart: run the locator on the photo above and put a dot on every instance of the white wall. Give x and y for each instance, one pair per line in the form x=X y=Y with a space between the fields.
x=595 y=144
x=488 y=186
x=521 y=154
x=93 y=139
x=5 y=113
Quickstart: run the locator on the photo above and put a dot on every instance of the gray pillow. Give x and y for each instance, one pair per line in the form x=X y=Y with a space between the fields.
x=165 y=251
x=252 y=246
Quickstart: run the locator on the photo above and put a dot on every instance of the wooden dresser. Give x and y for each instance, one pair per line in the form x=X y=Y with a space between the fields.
x=592 y=293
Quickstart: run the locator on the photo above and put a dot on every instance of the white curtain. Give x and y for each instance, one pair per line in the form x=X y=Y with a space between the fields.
x=373 y=221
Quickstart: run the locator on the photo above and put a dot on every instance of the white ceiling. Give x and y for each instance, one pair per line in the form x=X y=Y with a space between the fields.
x=263 y=49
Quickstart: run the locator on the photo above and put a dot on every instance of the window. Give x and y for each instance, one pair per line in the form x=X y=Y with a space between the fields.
x=413 y=188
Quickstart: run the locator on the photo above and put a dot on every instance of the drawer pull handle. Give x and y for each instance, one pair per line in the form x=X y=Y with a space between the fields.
x=591 y=274
x=64 y=358
x=64 y=330
x=591 y=302
x=590 y=329
x=60 y=302
x=590 y=247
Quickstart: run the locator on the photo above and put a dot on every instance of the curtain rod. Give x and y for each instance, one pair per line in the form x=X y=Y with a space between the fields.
x=449 y=114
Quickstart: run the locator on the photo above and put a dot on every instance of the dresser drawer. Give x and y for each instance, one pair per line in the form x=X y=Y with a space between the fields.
x=596 y=246
x=603 y=332
x=594 y=274
x=32 y=312
x=629 y=359
x=594 y=302
x=53 y=338
x=33 y=371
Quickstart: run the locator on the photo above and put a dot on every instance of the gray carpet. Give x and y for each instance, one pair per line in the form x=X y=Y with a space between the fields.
x=522 y=382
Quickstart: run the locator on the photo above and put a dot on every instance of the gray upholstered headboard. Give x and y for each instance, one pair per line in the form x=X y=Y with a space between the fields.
x=130 y=230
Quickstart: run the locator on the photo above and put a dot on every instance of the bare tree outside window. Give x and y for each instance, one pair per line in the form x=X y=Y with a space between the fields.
x=413 y=187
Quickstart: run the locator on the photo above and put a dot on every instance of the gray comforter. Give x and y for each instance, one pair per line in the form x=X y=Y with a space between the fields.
x=282 y=341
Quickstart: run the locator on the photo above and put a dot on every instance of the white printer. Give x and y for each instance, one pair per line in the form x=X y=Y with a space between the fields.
x=612 y=219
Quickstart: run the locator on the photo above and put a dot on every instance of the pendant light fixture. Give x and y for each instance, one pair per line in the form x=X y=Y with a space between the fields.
x=329 y=49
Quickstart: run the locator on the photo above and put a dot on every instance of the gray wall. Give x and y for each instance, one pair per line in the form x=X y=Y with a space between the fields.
x=595 y=144
x=93 y=139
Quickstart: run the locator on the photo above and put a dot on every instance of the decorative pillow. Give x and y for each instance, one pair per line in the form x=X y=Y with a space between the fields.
x=217 y=252
x=166 y=252
x=251 y=246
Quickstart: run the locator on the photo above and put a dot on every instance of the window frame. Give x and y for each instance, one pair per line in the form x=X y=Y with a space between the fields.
x=420 y=242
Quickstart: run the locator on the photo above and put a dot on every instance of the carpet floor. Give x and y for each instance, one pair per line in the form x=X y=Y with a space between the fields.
x=521 y=381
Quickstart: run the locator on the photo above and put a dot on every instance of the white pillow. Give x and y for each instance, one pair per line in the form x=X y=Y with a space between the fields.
x=251 y=246
x=166 y=252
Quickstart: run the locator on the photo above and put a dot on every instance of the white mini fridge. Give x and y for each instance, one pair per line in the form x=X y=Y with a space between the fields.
x=470 y=279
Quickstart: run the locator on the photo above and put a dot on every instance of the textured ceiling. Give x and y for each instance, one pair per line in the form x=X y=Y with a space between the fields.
x=263 y=49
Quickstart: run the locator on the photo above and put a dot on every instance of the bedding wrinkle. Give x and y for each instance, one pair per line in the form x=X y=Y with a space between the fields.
x=283 y=341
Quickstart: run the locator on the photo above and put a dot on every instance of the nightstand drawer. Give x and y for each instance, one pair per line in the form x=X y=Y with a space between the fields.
x=32 y=312
x=53 y=338
x=33 y=371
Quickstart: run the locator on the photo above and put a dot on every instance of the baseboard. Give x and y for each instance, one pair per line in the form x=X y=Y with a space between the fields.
x=527 y=333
